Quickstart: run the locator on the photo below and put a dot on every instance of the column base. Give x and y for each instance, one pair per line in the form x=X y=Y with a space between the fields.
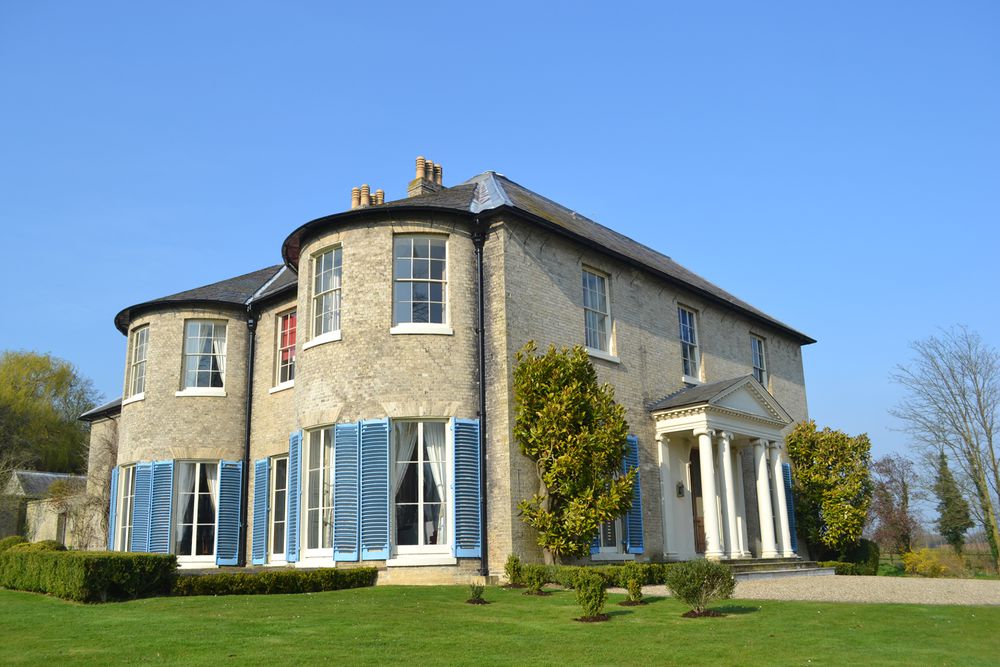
x=714 y=555
x=770 y=554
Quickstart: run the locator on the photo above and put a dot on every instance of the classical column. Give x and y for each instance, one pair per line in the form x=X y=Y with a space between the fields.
x=708 y=494
x=779 y=501
x=767 y=547
x=729 y=501
x=666 y=495
x=741 y=503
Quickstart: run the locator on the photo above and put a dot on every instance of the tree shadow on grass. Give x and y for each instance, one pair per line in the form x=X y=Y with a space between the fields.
x=736 y=609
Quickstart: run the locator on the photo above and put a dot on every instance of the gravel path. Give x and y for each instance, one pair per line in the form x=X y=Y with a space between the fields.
x=865 y=589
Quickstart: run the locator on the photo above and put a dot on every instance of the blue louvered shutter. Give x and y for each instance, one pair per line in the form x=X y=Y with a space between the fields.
x=161 y=507
x=346 y=492
x=141 y=507
x=294 y=486
x=595 y=544
x=112 y=509
x=227 y=533
x=375 y=489
x=258 y=552
x=465 y=489
x=786 y=470
x=633 y=519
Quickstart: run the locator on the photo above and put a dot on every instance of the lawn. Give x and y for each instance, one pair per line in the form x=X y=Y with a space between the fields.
x=433 y=626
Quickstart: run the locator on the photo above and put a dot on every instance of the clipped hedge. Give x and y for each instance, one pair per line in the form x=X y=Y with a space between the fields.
x=8 y=542
x=865 y=555
x=44 y=545
x=272 y=582
x=565 y=575
x=842 y=568
x=88 y=576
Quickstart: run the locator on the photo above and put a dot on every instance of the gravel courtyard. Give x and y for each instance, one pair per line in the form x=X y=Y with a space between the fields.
x=865 y=589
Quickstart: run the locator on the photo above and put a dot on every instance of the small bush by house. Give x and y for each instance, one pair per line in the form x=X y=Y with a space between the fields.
x=591 y=595
x=512 y=570
x=699 y=583
x=87 y=576
x=924 y=563
x=272 y=582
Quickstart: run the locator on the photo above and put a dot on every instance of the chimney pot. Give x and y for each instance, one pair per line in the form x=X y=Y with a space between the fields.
x=420 y=166
x=437 y=174
x=355 y=198
x=429 y=171
x=365 y=196
x=379 y=196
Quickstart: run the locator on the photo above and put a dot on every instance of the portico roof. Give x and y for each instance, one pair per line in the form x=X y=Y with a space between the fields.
x=742 y=396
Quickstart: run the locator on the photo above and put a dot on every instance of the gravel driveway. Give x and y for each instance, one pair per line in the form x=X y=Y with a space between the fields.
x=865 y=589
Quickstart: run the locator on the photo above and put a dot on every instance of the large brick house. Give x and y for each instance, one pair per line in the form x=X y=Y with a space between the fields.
x=354 y=404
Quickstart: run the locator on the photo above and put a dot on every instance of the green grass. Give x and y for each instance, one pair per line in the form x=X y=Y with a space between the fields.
x=428 y=626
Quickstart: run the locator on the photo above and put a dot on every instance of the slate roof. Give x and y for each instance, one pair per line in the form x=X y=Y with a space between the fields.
x=35 y=484
x=106 y=410
x=491 y=191
x=236 y=291
x=696 y=395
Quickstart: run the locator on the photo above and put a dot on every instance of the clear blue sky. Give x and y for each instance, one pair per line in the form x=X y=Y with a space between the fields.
x=835 y=164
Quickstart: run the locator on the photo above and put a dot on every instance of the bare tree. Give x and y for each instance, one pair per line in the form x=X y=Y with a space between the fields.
x=952 y=403
x=894 y=524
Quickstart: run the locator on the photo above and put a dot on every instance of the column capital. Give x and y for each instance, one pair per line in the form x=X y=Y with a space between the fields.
x=703 y=431
x=759 y=442
x=724 y=435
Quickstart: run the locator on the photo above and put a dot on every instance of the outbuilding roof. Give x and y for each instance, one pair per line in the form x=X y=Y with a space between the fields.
x=101 y=411
x=34 y=484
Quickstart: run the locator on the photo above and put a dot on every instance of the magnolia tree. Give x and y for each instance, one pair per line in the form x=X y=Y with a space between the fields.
x=573 y=430
x=833 y=487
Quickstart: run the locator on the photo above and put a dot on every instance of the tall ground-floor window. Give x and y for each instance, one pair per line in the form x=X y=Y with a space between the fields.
x=195 y=502
x=420 y=486
x=318 y=492
x=279 y=506
x=126 y=497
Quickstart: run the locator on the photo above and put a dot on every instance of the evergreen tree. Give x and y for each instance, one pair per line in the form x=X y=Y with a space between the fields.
x=573 y=430
x=953 y=510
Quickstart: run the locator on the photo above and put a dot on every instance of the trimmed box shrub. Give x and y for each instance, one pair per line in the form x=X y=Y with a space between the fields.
x=699 y=583
x=591 y=595
x=534 y=577
x=512 y=570
x=8 y=542
x=272 y=582
x=88 y=576
x=631 y=577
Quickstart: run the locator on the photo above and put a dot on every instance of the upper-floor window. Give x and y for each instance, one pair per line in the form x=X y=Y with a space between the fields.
x=204 y=354
x=419 y=280
x=689 y=343
x=596 y=311
x=137 y=362
x=286 y=348
x=759 y=357
x=327 y=272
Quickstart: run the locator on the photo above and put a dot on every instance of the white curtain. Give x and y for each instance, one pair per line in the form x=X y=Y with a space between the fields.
x=219 y=347
x=185 y=483
x=211 y=476
x=436 y=444
x=405 y=439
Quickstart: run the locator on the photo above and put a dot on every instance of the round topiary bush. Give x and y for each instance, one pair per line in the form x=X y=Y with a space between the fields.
x=8 y=542
x=534 y=578
x=591 y=596
x=699 y=583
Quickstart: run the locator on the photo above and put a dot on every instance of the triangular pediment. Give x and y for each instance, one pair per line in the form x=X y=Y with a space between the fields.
x=751 y=398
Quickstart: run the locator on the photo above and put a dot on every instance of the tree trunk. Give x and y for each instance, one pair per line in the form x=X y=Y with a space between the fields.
x=989 y=517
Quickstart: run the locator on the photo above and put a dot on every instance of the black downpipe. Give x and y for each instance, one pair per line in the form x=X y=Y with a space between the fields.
x=478 y=239
x=241 y=559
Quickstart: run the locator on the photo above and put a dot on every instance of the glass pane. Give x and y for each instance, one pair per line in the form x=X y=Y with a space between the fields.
x=421 y=248
x=420 y=312
x=312 y=523
x=437 y=313
x=279 y=506
x=281 y=474
x=433 y=486
x=402 y=292
x=402 y=269
x=437 y=270
x=432 y=523
x=401 y=312
x=187 y=508
x=436 y=292
x=312 y=501
x=206 y=541
x=407 y=491
x=406 y=525
x=403 y=245
x=420 y=291
x=438 y=249
x=327 y=528
x=183 y=544
x=206 y=508
x=278 y=538
x=184 y=477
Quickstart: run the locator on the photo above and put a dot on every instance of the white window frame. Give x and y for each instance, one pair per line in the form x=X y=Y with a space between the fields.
x=176 y=516
x=319 y=334
x=126 y=507
x=273 y=519
x=758 y=358
x=687 y=321
x=326 y=439
x=408 y=326
x=279 y=320
x=617 y=550
x=219 y=356
x=412 y=554
x=135 y=389
x=604 y=344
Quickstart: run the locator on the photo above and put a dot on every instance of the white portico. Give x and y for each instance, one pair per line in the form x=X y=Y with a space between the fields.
x=722 y=483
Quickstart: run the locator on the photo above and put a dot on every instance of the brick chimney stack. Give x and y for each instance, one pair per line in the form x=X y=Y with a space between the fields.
x=428 y=178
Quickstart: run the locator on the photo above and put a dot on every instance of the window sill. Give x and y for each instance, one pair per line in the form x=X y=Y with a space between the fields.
x=201 y=391
x=421 y=328
x=600 y=354
x=135 y=398
x=328 y=337
x=612 y=557
x=281 y=387
x=186 y=562
x=416 y=560
x=690 y=379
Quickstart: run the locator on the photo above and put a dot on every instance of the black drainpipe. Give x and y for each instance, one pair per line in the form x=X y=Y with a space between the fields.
x=241 y=559
x=478 y=239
